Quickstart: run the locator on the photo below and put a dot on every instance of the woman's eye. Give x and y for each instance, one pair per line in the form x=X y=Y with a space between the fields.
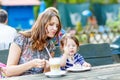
x=51 y=24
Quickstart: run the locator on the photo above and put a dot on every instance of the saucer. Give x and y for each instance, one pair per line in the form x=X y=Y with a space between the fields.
x=78 y=69
x=53 y=74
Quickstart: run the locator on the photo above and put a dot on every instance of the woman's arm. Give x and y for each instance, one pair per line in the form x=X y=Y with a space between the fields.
x=13 y=69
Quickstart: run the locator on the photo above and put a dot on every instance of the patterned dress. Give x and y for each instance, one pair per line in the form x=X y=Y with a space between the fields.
x=28 y=54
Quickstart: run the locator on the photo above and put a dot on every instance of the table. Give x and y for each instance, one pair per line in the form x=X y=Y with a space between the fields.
x=106 y=72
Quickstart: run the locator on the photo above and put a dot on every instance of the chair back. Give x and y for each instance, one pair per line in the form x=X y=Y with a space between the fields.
x=96 y=54
x=4 y=55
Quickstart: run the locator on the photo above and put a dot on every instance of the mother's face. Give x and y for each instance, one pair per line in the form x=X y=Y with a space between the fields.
x=52 y=27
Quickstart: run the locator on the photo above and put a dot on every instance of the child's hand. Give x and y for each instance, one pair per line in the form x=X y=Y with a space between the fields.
x=86 y=64
x=66 y=51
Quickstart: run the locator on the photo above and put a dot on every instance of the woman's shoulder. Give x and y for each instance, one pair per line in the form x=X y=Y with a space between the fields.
x=20 y=36
x=21 y=40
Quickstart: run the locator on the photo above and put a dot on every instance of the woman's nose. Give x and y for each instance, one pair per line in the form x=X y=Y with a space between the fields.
x=55 y=27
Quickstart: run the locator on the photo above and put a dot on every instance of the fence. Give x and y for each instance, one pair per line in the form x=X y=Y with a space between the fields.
x=95 y=36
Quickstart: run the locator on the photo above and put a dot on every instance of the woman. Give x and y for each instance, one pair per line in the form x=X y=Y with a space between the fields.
x=28 y=53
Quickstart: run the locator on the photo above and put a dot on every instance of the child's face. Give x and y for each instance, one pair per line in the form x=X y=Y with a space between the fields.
x=70 y=47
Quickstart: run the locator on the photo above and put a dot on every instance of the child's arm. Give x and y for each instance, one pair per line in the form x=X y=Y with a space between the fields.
x=64 y=57
x=82 y=61
x=63 y=60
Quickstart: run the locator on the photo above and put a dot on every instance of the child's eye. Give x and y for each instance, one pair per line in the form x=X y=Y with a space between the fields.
x=73 y=45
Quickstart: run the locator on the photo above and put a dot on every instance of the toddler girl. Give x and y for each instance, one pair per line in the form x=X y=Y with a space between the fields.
x=69 y=44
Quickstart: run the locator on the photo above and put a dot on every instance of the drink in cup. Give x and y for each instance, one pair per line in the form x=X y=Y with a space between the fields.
x=54 y=64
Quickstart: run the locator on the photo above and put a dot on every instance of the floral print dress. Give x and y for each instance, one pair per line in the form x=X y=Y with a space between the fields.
x=28 y=54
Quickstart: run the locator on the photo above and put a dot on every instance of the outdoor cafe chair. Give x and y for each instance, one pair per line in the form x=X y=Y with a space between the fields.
x=96 y=54
x=4 y=55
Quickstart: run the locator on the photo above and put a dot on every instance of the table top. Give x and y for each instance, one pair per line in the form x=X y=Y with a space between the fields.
x=105 y=72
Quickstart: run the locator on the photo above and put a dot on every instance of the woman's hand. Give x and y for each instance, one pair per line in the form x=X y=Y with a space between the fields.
x=3 y=70
x=47 y=66
x=86 y=64
x=40 y=63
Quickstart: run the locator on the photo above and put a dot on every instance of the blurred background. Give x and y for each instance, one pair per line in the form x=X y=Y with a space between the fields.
x=77 y=16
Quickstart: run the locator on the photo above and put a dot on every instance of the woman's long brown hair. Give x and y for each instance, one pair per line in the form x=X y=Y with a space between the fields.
x=38 y=32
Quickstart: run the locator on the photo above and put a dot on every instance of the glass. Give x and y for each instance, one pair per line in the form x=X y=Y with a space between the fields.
x=54 y=64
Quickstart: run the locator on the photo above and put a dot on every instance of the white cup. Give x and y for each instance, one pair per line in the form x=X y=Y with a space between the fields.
x=54 y=64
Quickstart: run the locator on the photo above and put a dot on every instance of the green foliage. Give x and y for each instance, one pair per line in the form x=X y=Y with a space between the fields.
x=78 y=27
x=73 y=1
x=49 y=3
x=104 y=1
x=62 y=1
x=114 y=24
x=52 y=2
x=92 y=1
x=36 y=10
x=119 y=15
x=83 y=39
